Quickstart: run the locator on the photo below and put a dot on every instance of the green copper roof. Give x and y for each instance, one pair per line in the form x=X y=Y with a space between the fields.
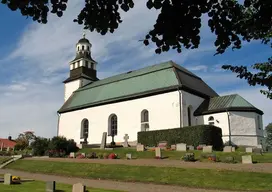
x=150 y=80
x=225 y=103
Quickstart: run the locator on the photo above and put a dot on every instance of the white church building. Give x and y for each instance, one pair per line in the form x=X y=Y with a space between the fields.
x=161 y=96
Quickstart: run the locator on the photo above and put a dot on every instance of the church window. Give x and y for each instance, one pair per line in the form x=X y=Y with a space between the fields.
x=83 y=47
x=211 y=120
x=78 y=48
x=144 y=120
x=92 y=66
x=84 y=128
x=189 y=116
x=112 y=125
x=259 y=122
x=88 y=48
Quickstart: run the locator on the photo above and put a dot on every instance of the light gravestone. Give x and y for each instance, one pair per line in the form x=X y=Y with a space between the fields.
x=173 y=147
x=50 y=186
x=128 y=156
x=140 y=147
x=233 y=149
x=247 y=159
x=227 y=149
x=104 y=140
x=191 y=147
x=126 y=137
x=207 y=149
x=2 y=144
x=181 y=147
x=162 y=144
x=79 y=187
x=8 y=149
x=158 y=152
x=83 y=154
x=7 y=179
x=72 y=155
x=249 y=150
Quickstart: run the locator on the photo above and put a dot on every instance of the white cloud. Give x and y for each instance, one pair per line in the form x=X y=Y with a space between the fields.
x=197 y=68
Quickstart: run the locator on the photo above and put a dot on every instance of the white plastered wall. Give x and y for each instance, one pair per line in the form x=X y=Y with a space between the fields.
x=70 y=87
x=164 y=112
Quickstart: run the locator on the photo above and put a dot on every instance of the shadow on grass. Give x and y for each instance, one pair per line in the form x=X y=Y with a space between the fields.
x=59 y=190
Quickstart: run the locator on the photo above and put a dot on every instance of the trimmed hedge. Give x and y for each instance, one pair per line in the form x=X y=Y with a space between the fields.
x=194 y=135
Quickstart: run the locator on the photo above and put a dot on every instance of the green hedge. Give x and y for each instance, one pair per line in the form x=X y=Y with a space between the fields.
x=194 y=135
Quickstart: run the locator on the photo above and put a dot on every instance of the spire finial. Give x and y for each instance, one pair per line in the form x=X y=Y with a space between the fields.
x=84 y=34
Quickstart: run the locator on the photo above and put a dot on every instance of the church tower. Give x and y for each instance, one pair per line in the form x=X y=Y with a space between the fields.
x=82 y=68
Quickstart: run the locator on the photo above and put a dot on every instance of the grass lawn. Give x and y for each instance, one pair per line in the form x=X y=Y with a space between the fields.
x=265 y=158
x=203 y=178
x=40 y=186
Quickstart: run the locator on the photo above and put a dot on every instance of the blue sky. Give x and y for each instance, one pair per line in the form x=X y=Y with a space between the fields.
x=34 y=62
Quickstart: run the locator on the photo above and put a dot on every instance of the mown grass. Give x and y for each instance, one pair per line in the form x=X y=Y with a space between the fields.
x=176 y=155
x=203 y=178
x=40 y=186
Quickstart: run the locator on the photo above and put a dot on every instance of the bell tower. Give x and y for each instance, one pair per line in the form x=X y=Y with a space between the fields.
x=82 y=68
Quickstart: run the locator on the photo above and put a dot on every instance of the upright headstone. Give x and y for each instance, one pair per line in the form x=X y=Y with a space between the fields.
x=247 y=159
x=191 y=147
x=249 y=150
x=72 y=155
x=7 y=179
x=126 y=137
x=162 y=144
x=140 y=147
x=79 y=187
x=227 y=149
x=181 y=147
x=83 y=154
x=2 y=144
x=233 y=149
x=50 y=186
x=104 y=140
x=158 y=152
x=8 y=149
x=207 y=149
x=173 y=147
x=128 y=156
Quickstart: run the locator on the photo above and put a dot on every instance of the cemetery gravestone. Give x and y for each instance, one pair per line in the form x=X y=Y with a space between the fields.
x=158 y=152
x=8 y=149
x=50 y=186
x=72 y=155
x=2 y=144
x=162 y=144
x=207 y=149
x=104 y=140
x=247 y=159
x=140 y=147
x=173 y=147
x=83 y=154
x=128 y=156
x=79 y=187
x=233 y=149
x=227 y=149
x=249 y=150
x=126 y=137
x=191 y=148
x=7 y=179
x=181 y=147
x=257 y=151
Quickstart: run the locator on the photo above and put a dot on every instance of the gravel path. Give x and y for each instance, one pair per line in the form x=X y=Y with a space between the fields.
x=105 y=184
x=259 y=167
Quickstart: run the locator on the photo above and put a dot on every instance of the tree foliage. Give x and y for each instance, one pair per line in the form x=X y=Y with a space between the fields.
x=268 y=130
x=178 y=24
x=24 y=139
x=40 y=146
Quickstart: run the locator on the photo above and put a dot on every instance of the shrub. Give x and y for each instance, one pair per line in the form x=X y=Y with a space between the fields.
x=55 y=153
x=62 y=144
x=194 y=135
x=189 y=157
x=100 y=156
x=39 y=146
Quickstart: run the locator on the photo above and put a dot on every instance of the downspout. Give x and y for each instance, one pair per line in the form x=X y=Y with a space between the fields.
x=180 y=109
x=229 y=127
x=58 y=124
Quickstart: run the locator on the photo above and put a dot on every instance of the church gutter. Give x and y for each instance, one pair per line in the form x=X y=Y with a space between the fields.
x=180 y=108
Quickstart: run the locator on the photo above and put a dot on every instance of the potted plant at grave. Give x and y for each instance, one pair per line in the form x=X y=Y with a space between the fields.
x=212 y=157
x=15 y=179
x=112 y=156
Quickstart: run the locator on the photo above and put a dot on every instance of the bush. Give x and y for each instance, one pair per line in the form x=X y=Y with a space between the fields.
x=62 y=144
x=39 y=146
x=194 y=135
x=189 y=157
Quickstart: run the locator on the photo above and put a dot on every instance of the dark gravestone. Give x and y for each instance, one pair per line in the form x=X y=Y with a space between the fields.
x=50 y=186
x=269 y=149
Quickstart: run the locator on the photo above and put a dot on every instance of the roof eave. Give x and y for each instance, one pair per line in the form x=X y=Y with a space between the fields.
x=238 y=109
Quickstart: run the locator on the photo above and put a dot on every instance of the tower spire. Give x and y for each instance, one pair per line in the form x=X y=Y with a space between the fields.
x=84 y=34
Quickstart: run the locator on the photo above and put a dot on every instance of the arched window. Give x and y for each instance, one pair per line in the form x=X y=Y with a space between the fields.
x=144 y=116
x=83 y=47
x=112 y=131
x=88 y=48
x=189 y=116
x=144 y=120
x=84 y=133
x=211 y=120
